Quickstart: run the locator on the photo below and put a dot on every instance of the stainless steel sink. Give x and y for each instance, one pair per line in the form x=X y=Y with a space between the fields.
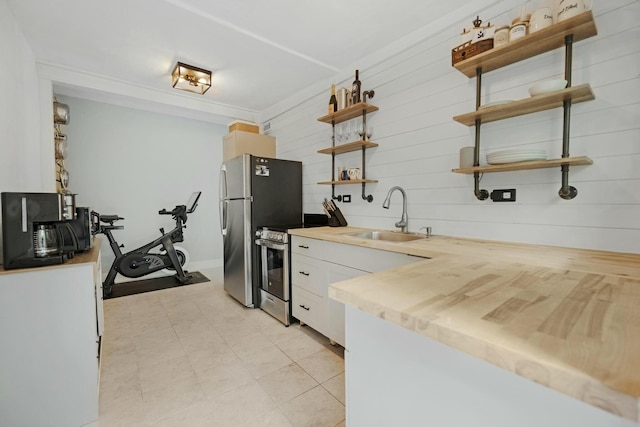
x=388 y=236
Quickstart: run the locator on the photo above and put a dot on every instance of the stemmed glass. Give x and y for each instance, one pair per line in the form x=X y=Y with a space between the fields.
x=361 y=132
x=348 y=131
x=338 y=132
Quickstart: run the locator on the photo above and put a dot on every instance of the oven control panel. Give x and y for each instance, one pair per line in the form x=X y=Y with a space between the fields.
x=273 y=235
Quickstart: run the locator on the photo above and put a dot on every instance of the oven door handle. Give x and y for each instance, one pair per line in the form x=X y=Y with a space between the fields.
x=271 y=245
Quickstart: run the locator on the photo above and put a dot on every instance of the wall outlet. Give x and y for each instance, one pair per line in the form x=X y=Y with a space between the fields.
x=346 y=198
x=504 y=195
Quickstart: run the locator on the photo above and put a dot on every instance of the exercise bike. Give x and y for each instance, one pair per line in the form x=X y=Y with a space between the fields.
x=140 y=262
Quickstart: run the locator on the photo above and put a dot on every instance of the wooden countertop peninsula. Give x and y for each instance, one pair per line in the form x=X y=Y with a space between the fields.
x=566 y=318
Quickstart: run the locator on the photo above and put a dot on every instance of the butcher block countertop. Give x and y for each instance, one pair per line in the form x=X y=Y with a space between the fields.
x=566 y=318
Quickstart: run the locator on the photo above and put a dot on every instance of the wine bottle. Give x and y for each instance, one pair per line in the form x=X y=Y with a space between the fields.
x=355 y=90
x=333 y=101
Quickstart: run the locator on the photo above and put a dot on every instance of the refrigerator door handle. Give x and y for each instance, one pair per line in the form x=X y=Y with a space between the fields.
x=223 y=200
x=223 y=217
x=224 y=193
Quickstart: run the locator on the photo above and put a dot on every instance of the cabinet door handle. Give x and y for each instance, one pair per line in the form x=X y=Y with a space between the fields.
x=303 y=246
x=303 y=273
x=306 y=308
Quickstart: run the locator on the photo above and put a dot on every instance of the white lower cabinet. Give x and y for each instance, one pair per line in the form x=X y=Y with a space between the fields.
x=310 y=309
x=396 y=377
x=335 y=309
x=316 y=264
x=50 y=328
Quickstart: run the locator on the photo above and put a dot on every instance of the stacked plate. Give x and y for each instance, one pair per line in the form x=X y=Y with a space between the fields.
x=514 y=156
x=547 y=86
x=494 y=103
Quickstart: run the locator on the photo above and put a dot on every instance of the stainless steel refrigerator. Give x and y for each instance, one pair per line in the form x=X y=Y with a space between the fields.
x=254 y=192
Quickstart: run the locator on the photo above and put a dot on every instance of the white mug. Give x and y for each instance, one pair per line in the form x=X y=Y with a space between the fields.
x=569 y=8
x=354 y=173
x=466 y=157
x=541 y=18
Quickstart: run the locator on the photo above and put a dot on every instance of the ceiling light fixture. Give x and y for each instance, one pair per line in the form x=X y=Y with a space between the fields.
x=190 y=78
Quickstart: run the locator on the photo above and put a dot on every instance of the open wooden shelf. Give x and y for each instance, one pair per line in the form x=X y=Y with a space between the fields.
x=581 y=26
x=348 y=113
x=349 y=147
x=562 y=34
x=530 y=105
x=349 y=181
x=534 y=164
x=361 y=109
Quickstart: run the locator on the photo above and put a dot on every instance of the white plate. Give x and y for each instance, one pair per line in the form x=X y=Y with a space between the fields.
x=494 y=103
x=515 y=158
x=517 y=151
x=547 y=86
x=517 y=155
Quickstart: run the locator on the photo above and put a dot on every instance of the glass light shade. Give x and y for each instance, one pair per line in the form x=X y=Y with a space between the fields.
x=190 y=78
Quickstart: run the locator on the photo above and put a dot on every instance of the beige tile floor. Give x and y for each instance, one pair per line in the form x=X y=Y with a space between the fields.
x=192 y=356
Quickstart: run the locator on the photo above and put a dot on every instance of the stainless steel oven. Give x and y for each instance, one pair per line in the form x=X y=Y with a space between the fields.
x=274 y=285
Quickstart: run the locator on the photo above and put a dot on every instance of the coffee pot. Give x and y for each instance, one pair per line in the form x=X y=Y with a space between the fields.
x=31 y=235
x=45 y=240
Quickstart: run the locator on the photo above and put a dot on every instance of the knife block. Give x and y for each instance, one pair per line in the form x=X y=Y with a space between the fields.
x=337 y=219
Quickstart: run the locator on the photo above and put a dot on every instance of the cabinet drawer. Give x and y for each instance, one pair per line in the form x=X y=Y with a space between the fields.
x=365 y=259
x=308 y=273
x=309 y=247
x=309 y=308
x=314 y=248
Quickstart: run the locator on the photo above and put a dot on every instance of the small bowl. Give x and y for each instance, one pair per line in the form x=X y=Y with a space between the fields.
x=547 y=87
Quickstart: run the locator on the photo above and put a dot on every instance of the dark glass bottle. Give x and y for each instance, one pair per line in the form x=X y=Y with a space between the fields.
x=355 y=90
x=333 y=101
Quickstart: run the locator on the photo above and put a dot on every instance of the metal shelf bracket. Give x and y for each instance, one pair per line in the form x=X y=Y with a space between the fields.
x=567 y=191
x=480 y=194
x=333 y=163
x=368 y=198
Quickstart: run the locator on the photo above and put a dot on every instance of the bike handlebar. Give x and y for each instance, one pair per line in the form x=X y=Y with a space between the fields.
x=179 y=212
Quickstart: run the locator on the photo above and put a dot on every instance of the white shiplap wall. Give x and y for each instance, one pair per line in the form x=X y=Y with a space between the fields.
x=418 y=92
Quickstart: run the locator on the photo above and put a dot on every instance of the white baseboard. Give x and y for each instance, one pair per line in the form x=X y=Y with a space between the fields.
x=202 y=265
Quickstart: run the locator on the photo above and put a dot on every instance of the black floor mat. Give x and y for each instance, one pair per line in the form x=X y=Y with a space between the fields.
x=148 y=285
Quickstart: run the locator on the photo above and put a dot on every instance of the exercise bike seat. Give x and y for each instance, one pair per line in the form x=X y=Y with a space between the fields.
x=110 y=218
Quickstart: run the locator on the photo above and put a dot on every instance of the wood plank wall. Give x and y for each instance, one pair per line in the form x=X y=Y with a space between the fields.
x=418 y=92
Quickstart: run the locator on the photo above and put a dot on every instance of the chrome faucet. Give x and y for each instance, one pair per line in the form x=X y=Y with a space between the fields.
x=403 y=223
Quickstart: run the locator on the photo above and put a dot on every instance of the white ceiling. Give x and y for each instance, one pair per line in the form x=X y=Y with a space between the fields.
x=260 y=51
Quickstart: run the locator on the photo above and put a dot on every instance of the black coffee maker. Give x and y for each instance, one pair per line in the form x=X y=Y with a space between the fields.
x=36 y=231
x=82 y=226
